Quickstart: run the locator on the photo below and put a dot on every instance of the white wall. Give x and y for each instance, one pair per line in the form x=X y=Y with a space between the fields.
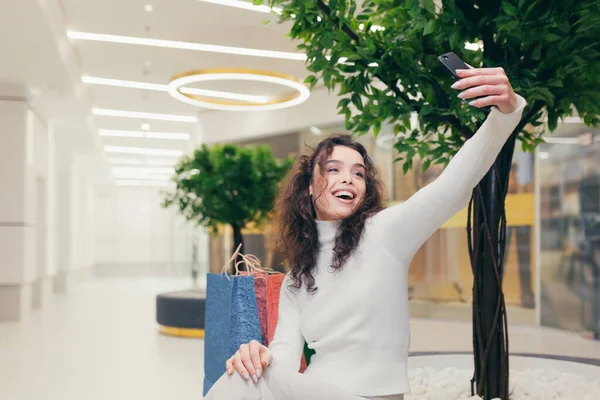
x=135 y=235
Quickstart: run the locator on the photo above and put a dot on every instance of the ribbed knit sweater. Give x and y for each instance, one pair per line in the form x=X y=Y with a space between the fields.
x=358 y=320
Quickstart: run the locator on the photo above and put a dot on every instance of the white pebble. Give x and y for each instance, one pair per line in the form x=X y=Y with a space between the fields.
x=529 y=384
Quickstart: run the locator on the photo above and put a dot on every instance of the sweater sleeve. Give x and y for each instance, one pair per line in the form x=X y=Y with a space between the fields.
x=403 y=228
x=288 y=342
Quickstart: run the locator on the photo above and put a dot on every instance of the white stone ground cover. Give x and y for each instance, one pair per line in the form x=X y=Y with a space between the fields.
x=527 y=384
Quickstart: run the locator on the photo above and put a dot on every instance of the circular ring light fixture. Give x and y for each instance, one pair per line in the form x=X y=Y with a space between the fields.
x=177 y=90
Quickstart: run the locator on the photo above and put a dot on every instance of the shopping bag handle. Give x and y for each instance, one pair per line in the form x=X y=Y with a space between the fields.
x=251 y=261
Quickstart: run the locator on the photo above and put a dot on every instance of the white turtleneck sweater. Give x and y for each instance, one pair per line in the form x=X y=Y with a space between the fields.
x=358 y=320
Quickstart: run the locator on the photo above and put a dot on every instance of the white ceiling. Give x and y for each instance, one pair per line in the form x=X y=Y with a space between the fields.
x=41 y=56
x=175 y=20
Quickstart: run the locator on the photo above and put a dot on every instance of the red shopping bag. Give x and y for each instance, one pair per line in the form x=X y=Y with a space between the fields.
x=260 y=287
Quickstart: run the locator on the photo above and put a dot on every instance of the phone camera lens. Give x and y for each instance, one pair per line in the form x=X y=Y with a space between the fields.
x=444 y=57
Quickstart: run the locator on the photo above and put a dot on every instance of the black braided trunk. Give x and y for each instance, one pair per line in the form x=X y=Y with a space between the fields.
x=487 y=229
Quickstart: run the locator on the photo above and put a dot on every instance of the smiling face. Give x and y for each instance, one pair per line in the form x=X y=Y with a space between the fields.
x=339 y=188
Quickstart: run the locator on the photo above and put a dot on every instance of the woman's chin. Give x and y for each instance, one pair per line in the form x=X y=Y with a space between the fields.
x=344 y=213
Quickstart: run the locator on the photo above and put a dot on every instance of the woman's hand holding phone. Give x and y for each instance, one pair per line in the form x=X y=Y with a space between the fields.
x=490 y=85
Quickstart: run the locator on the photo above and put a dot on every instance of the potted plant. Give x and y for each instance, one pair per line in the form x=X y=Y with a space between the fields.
x=381 y=58
x=227 y=185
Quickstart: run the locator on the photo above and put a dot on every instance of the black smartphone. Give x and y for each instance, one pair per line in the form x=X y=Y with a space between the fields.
x=452 y=62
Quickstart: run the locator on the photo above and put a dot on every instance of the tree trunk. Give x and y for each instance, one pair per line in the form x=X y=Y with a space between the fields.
x=486 y=247
x=237 y=240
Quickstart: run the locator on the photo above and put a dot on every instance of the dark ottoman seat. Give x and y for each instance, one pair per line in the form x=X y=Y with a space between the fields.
x=181 y=313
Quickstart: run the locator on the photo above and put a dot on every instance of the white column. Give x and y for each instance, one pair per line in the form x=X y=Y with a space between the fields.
x=17 y=204
x=64 y=220
x=42 y=159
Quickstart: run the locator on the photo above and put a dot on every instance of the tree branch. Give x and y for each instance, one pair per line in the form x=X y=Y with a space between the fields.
x=535 y=108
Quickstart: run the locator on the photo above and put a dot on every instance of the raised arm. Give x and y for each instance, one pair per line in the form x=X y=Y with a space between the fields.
x=288 y=342
x=403 y=228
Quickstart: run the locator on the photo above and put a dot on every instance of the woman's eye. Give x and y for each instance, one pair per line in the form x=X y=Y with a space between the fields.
x=332 y=170
x=360 y=174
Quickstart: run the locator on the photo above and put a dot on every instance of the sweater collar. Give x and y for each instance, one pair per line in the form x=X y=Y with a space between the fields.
x=327 y=231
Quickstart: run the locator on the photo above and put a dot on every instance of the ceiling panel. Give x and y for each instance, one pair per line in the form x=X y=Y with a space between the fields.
x=128 y=62
x=135 y=124
x=183 y=20
x=138 y=100
x=180 y=20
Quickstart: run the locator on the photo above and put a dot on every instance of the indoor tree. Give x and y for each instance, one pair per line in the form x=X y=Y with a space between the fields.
x=227 y=184
x=380 y=57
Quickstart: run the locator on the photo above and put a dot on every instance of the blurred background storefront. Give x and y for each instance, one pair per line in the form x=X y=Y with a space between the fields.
x=549 y=269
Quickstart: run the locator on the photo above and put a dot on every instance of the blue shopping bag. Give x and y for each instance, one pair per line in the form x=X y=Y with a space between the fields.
x=245 y=322
x=217 y=318
x=231 y=319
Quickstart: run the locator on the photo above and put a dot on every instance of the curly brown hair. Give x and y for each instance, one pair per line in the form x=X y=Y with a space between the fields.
x=295 y=228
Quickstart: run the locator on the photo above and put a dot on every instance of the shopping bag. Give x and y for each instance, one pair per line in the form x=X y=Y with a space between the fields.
x=231 y=319
x=260 y=288
x=273 y=289
x=216 y=327
x=245 y=324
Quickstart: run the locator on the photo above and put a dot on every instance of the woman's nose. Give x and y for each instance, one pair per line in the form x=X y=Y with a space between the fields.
x=347 y=177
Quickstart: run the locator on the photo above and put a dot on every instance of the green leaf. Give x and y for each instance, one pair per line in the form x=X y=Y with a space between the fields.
x=551 y=37
x=426 y=110
x=454 y=39
x=311 y=80
x=429 y=6
x=405 y=167
x=509 y=9
x=426 y=165
x=429 y=27
x=376 y=128
x=357 y=101
x=423 y=149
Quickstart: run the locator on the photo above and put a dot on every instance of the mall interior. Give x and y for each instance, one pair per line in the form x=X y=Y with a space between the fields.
x=92 y=129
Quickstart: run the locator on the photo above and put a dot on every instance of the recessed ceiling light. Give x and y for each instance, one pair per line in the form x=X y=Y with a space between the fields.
x=143 y=134
x=164 y=88
x=246 y=5
x=140 y=183
x=150 y=162
x=126 y=161
x=145 y=127
x=133 y=170
x=242 y=51
x=167 y=135
x=144 y=115
x=142 y=150
x=115 y=133
x=149 y=7
x=161 y=161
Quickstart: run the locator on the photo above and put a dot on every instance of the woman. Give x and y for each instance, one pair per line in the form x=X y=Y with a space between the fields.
x=346 y=293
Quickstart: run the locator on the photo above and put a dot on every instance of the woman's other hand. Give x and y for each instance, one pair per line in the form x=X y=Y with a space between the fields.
x=250 y=361
x=490 y=85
